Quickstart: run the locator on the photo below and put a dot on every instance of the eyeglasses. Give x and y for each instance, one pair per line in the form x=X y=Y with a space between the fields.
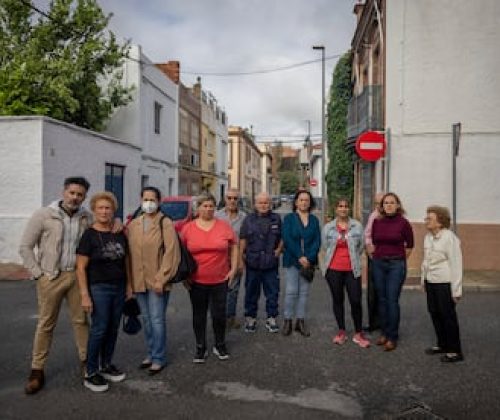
x=232 y=198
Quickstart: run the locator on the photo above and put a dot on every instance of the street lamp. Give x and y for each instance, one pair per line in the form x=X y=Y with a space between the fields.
x=323 y=140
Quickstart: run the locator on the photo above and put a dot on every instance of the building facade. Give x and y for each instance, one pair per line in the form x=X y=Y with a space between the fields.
x=190 y=182
x=366 y=107
x=268 y=184
x=213 y=151
x=435 y=66
x=150 y=121
x=244 y=163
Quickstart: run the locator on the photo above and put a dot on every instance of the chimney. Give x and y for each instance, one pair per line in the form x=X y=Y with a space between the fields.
x=197 y=88
x=171 y=69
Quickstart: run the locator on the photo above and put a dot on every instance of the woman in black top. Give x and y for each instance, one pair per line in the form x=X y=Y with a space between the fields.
x=101 y=273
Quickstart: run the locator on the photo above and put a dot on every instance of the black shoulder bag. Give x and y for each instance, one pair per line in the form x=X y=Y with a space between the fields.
x=187 y=265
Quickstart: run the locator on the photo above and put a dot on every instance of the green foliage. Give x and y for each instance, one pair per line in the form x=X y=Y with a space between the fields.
x=289 y=182
x=340 y=175
x=66 y=66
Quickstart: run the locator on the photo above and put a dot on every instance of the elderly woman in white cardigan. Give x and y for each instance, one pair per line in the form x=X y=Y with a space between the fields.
x=442 y=279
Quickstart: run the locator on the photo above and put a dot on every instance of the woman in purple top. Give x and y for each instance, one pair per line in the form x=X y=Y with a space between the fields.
x=392 y=237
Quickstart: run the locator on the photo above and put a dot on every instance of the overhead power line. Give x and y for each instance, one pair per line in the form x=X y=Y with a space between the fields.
x=263 y=71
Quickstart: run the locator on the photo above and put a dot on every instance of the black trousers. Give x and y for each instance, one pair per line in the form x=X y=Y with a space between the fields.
x=337 y=281
x=441 y=307
x=371 y=300
x=213 y=297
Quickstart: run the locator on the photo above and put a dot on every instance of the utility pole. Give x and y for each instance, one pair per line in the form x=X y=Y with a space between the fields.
x=323 y=140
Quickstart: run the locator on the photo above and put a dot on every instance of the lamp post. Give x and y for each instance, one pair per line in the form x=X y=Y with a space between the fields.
x=323 y=140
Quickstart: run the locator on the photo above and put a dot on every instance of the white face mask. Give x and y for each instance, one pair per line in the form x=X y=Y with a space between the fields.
x=149 y=207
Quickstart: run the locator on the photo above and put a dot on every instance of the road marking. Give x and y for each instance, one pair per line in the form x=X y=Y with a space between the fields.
x=154 y=387
x=330 y=399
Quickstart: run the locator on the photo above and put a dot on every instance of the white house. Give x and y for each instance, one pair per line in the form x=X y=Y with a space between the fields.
x=37 y=153
x=150 y=121
x=442 y=67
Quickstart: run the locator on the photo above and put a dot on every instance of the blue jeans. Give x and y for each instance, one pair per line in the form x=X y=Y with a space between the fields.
x=270 y=283
x=107 y=306
x=389 y=276
x=153 y=311
x=296 y=293
x=232 y=296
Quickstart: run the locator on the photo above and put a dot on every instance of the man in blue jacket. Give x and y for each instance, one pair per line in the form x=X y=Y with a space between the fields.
x=260 y=248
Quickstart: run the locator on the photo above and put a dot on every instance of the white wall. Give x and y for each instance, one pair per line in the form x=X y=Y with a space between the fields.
x=72 y=151
x=20 y=179
x=442 y=68
x=37 y=154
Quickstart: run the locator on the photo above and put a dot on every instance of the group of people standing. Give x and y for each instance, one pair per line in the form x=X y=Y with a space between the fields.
x=97 y=265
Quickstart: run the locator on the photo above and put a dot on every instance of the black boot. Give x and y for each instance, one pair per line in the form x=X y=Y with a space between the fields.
x=287 y=327
x=300 y=327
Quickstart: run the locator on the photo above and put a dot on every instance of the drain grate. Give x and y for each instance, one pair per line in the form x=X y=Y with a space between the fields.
x=418 y=411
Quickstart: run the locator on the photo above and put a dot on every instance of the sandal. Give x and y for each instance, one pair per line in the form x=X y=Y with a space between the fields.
x=146 y=363
x=155 y=369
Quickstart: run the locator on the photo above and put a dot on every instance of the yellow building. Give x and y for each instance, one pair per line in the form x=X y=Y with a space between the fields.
x=244 y=162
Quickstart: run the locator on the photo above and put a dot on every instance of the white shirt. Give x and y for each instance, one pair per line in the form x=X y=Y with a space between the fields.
x=443 y=260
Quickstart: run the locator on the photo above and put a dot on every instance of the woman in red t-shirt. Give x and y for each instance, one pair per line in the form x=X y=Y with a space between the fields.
x=343 y=241
x=213 y=245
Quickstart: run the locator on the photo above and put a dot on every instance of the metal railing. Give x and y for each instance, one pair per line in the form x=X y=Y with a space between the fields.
x=365 y=112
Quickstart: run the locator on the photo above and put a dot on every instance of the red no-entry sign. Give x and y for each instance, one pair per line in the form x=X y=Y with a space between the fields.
x=370 y=146
x=313 y=182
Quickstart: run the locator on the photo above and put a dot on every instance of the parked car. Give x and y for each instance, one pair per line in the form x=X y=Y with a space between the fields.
x=180 y=208
x=284 y=198
x=245 y=204
x=276 y=201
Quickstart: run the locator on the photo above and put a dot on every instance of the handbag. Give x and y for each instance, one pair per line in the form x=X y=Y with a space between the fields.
x=131 y=311
x=307 y=272
x=187 y=264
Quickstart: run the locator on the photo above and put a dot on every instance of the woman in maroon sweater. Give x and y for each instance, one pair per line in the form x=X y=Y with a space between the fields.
x=392 y=237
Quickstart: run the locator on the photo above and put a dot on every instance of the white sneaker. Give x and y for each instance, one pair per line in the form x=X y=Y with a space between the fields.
x=271 y=325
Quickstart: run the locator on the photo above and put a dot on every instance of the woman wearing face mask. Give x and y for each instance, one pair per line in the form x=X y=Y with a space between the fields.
x=154 y=258
x=392 y=237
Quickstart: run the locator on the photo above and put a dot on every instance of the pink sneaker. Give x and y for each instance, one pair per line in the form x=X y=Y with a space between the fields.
x=340 y=338
x=360 y=340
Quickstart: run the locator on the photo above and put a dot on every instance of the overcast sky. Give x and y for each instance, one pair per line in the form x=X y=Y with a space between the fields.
x=239 y=36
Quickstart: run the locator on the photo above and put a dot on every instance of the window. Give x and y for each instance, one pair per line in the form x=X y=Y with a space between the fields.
x=114 y=184
x=195 y=159
x=157 y=116
x=230 y=154
x=144 y=181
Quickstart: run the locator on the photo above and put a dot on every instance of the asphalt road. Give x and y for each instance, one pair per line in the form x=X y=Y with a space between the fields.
x=268 y=376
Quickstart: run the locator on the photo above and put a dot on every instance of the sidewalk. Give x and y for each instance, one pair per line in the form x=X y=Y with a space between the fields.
x=484 y=281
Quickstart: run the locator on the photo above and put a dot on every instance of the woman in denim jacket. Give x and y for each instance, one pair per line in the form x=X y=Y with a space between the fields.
x=343 y=241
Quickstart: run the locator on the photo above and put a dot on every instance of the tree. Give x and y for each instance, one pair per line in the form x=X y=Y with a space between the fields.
x=64 y=64
x=340 y=175
x=289 y=182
